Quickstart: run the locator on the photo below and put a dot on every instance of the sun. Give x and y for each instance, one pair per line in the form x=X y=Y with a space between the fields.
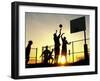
x=62 y=60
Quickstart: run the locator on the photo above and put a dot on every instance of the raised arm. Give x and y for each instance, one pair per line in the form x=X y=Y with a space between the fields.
x=62 y=35
x=60 y=31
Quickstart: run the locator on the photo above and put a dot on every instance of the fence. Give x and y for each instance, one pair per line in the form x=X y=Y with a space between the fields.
x=33 y=56
x=75 y=51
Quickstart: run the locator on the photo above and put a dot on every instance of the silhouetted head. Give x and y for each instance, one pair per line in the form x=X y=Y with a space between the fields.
x=56 y=31
x=64 y=38
x=46 y=47
x=30 y=42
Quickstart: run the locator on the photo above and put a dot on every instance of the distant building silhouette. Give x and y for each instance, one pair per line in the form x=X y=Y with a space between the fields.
x=27 y=51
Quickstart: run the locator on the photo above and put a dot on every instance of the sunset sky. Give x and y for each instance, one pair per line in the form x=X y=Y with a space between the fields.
x=40 y=28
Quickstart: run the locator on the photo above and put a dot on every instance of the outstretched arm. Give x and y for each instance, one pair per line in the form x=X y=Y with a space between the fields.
x=62 y=35
x=52 y=50
x=69 y=42
x=60 y=31
x=42 y=54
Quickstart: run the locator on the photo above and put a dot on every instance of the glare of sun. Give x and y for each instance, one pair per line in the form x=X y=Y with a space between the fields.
x=62 y=59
